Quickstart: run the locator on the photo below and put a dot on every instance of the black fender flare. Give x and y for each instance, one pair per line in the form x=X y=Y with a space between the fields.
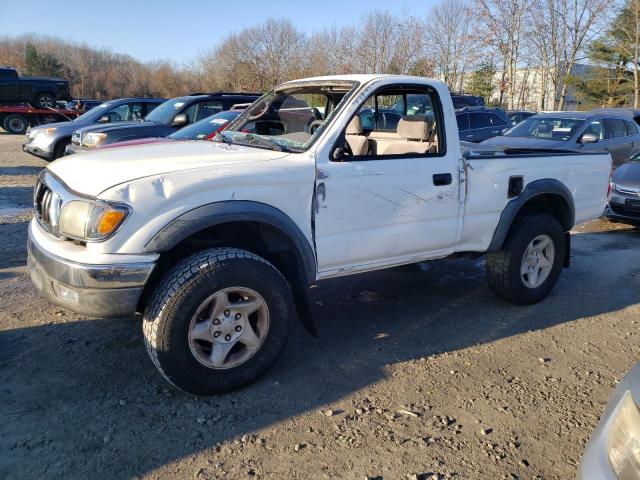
x=543 y=186
x=217 y=213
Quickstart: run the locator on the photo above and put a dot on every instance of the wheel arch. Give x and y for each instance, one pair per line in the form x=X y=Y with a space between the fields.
x=253 y=226
x=541 y=196
x=62 y=140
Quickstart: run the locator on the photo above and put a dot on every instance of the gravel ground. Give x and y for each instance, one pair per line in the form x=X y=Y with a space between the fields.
x=418 y=371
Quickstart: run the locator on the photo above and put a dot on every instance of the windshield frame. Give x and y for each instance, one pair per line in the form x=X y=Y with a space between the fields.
x=577 y=131
x=352 y=86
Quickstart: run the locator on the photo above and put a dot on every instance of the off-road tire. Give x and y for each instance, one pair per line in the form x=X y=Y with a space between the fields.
x=15 y=124
x=503 y=267
x=178 y=295
x=40 y=100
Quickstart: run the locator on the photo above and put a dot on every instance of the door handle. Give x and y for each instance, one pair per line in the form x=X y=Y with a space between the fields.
x=440 y=179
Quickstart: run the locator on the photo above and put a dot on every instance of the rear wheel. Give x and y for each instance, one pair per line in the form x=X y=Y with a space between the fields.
x=16 y=124
x=529 y=265
x=45 y=100
x=218 y=320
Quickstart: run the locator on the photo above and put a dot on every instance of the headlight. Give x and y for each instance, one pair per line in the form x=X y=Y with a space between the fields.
x=623 y=439
x=47 y=131
x=93 y=139
x=91 y=220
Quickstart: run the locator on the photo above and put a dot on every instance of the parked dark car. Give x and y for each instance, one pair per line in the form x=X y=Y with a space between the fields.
x=517 y=116
x=205 y=129
x=82 y=104
x=39 y=91
x=623 y=204
x=617 y=134
x=476 y=124
x=50 y=140
x=462 y=100
x=169 y=117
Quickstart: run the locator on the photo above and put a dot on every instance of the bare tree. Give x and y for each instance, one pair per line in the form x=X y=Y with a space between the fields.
x=387 y=44
x=452 y=40
x=503 y=20
x=578 y=22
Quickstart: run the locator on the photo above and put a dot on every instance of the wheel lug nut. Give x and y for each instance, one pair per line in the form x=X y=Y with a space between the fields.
x=227 y=337
x=226 y=313
x=216 y=321
x=216 y=334
x=238 y=316
x=238 y=328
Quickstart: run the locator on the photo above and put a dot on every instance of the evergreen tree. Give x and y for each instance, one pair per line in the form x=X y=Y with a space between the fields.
x=481 y=82
x=31 y=59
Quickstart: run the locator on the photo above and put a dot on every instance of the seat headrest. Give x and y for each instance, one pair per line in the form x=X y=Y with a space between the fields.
x=414 y=127
x=354 y=127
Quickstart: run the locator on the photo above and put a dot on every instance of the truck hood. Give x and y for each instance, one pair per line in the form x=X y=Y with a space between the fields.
x=94 y=172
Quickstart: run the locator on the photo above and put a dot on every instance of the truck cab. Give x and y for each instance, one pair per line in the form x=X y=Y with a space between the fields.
x=38 y=91
x=216 y=243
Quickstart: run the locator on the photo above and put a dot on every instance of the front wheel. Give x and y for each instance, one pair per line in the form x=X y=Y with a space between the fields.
x=529 y=265
x=218 y=320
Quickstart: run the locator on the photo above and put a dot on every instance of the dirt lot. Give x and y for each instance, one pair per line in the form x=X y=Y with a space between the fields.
x=417 y=371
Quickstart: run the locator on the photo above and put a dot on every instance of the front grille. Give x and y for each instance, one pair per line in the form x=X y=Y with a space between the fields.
x=75 y=138
x=42 y=197
x=627 y=190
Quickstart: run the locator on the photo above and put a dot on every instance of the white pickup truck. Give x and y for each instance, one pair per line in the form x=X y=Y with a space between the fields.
x=217 y=242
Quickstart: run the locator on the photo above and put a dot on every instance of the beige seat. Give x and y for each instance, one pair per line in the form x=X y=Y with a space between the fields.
x=416 y=132
x=358 y=143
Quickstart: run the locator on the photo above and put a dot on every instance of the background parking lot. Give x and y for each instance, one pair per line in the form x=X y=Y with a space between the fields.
x=418 y=370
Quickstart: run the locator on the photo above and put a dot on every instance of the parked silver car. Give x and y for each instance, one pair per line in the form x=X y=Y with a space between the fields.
x=613 y=451
x=596 y=131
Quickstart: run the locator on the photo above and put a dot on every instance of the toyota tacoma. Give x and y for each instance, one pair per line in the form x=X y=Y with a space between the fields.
x=217 y=242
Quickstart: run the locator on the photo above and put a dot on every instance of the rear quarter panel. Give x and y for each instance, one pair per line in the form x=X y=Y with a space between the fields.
x=585 y=175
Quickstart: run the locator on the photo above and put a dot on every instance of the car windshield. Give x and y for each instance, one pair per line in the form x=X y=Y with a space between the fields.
x=165 y=112
x=95 y=111
x=288 y=118
x=205 y=127
x=417 y=104
x=547 y=128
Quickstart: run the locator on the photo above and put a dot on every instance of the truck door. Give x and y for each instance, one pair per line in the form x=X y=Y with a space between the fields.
x=9 y=86
x=392 y=197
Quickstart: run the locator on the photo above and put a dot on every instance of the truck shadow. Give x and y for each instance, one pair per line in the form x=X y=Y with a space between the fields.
x=82 y=396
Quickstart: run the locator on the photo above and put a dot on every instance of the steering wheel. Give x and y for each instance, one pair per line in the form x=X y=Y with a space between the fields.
x=260 y=113
x=313 y=126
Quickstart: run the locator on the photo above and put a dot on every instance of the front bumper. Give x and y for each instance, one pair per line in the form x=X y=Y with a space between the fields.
x=37 y=151
x=110 y=290
x=619 y=213
x=73 y=148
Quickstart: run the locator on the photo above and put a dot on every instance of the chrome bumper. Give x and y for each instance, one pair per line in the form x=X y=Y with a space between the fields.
x=93 y=290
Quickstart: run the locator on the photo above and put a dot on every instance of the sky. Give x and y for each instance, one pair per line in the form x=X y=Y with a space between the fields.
x=179 y=30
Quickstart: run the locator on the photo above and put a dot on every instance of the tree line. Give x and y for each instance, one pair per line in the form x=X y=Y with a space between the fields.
x=499 y=49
